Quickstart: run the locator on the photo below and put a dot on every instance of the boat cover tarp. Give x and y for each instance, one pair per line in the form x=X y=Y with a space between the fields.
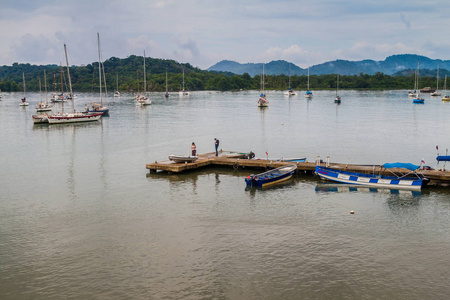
x=443 y=158
x=408 y=166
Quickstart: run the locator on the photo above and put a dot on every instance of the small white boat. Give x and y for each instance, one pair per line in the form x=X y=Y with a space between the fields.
x=142 y=100
x=445 y=97
x=182 y=159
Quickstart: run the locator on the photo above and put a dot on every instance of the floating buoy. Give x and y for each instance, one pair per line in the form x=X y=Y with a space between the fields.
x=352 y=212
x=282 y=124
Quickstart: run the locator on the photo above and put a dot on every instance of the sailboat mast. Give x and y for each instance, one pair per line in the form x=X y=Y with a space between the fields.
x=337 y=85
x=40 y=90
x=183 y=79
x=437 y=78
x=145 y=82
x=68 y=75
x=166 y=82
x=61 y=76
x=24 y=88
x=308 y=78
x=263 y=79
x=99 y=67
x=45 y=85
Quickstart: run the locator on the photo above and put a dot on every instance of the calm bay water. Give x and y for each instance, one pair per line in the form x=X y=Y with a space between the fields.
x=80 y=218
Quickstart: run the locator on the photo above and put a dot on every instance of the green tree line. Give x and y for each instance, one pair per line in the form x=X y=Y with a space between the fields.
x=128 y=73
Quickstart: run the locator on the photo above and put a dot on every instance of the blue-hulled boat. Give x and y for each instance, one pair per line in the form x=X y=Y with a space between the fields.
x=443 y=158
x=410 y=181
x=271 y=177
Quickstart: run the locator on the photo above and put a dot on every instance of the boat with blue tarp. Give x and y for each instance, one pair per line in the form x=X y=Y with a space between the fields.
x=271 y=177
x=410 y=180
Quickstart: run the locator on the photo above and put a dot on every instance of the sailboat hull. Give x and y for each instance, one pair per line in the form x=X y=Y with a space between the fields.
x=74 y=118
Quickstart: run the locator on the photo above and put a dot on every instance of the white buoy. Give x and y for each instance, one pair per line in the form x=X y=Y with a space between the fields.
x=352 y=212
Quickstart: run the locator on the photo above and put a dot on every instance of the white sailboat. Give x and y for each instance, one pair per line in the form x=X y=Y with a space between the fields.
x=290 y=91
x=143 y=99
x=337 y=98
x=418 y=99
x=167 y=89
x=183 y=92
x=95 y=106
x=73 y=117
x=43 y=105
x=445 y=97
x=23 y=101
x=415 y=93
x=436 y=92
x=262 y=101
x=117 y=93
x=308 y=94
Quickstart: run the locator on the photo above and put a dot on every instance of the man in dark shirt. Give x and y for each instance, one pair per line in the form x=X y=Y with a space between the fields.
x=216 y=143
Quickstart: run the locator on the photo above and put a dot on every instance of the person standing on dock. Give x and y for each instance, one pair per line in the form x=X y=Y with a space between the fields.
x=194 y=149
x=216 y=143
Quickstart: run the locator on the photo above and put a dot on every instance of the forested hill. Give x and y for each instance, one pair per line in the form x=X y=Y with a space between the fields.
x=129 y=72
x=85 y=78
x=390 y=66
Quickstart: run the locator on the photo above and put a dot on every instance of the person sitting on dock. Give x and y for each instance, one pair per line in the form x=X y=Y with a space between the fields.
x=194 y=149
x=216 y=143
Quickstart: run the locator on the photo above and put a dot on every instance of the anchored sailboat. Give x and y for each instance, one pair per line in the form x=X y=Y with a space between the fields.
x=95 y=106
x=117 y=93
x=290 y=91
x=167 y=90
x=23 y=101
x=73 y=117
x=417 y=98
x=308 y=94
x=337 y=98
x=143 y=99
x=436 y=92
x=262 y=102
x=183 y=92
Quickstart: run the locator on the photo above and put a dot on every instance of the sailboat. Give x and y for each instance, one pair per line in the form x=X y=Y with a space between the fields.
x=167 y=91
x=143 y=99
x=418 y=99
x=24 y=101
x=290 y=91
x=61 y=97
x=183 y=92
x=436 y=93
x=414 y=94
x=95 y=106
x=73 y=117
x=337 y=98
x=117 y=93
x=308 y=94
x=43 y=106
x=262 y=102
x=1 y=95
x=445 y=97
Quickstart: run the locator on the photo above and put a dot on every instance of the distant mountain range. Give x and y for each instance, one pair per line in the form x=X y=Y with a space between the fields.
x=402 y=64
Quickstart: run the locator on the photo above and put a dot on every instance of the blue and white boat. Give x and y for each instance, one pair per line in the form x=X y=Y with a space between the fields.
x=409 y=181
x=271 y=177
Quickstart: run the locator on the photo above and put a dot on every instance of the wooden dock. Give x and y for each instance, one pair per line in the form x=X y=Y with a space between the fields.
x=234 y=159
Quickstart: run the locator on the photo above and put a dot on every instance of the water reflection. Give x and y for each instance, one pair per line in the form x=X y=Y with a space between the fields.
x=348 y=188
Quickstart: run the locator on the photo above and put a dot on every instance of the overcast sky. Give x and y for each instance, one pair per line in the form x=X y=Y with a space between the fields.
x=203 y=32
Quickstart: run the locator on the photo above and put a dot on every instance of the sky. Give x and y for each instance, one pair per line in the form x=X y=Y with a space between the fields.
x=204 y=32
